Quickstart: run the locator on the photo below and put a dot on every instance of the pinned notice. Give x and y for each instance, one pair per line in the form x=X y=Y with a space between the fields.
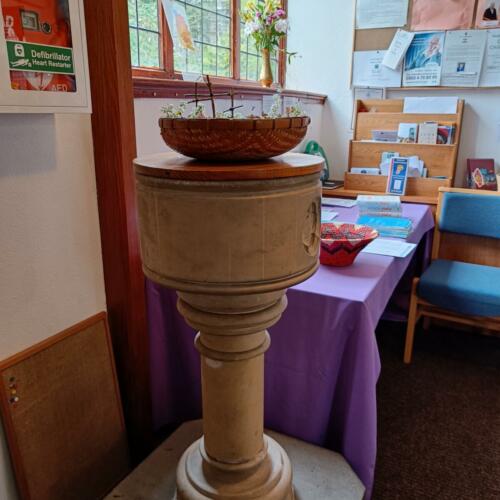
x=490 y=76
x=441 y=15
x=423 y=60
x=463 y=58
x=397 y=50
x=368 y=71
x=487 y=15
x=381 y=13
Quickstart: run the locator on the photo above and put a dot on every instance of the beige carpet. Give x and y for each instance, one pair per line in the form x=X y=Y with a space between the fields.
x=439 y=418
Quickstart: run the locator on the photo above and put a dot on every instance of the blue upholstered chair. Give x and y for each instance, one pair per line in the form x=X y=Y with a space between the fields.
x=462 y=284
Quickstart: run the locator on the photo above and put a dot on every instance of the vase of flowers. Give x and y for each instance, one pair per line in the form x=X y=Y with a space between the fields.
x=265 y=21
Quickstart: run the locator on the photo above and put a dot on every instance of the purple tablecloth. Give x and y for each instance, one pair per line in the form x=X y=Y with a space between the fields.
x=323 y=363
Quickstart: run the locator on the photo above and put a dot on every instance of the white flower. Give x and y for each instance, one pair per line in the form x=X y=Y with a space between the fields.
x=251 y=27
x=198 y=112
x=281 y=26
x=170 y=111
x=275 y=110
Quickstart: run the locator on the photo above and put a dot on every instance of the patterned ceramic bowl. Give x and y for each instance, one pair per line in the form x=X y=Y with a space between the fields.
x=341 y=243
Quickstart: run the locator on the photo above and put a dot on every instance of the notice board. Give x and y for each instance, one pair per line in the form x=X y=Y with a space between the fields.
x=380 y=38
x=62 y=415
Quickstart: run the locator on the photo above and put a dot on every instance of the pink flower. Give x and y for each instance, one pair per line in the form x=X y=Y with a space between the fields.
x=279 y=13
x=258 y=14
x=269 y=20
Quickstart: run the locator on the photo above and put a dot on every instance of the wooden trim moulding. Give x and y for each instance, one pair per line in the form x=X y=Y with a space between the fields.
x=145 y=87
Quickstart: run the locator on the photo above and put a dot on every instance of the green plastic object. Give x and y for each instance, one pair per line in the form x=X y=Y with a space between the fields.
x=313 y=148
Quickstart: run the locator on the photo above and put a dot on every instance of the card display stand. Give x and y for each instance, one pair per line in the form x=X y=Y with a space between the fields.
x=440 y=160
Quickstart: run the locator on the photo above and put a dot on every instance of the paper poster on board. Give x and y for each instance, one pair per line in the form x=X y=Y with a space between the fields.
x=43 y=56
x=381 y=14
x=490 y=75
x=463 y=58
x=438 y=15
x=368 y=70
x=39 y=45
x=423 y=60
x=488 y=15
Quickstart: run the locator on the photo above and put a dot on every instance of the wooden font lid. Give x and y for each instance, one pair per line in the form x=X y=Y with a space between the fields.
x=179 y=167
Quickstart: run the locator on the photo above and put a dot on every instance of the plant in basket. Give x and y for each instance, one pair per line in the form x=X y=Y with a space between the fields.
x=227 y=135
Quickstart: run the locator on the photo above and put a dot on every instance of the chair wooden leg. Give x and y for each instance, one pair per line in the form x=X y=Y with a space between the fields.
x=412 y=319
x=426 y=323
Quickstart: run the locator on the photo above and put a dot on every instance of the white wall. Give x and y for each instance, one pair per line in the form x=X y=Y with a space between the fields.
x=322 y=33
x=50 y=251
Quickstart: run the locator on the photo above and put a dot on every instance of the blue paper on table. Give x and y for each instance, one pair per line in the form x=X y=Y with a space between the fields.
x=394 y=227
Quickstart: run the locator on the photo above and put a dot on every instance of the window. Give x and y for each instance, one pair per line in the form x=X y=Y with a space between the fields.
x=210 y=23
x=144 y=27
x=221 y=50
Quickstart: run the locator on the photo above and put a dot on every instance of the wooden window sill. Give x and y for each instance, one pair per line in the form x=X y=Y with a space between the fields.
x=147 y=87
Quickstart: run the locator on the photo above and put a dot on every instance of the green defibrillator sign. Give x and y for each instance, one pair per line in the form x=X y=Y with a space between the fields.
x=25 y=56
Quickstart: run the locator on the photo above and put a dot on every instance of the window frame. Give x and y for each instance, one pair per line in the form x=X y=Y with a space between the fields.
x=169 y=76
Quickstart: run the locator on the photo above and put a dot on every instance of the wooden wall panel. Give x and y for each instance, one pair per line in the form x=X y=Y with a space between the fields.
x=114 y=149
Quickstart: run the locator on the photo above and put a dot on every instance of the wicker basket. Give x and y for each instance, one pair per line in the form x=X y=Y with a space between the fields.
x=233 y=139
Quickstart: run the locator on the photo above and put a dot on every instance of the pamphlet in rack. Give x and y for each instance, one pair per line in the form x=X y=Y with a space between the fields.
x=398 y=176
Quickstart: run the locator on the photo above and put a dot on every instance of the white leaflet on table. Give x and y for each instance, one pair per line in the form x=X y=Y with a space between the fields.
x=490 y=75
x=397 y=50
x=436 y=105
x=381 y=13
x=389 y=247
x=327 y=214
x=368 y=70
x=463 y=58
x=338 y=202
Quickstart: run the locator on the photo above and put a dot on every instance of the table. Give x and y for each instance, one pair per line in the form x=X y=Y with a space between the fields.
x=323 y=364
